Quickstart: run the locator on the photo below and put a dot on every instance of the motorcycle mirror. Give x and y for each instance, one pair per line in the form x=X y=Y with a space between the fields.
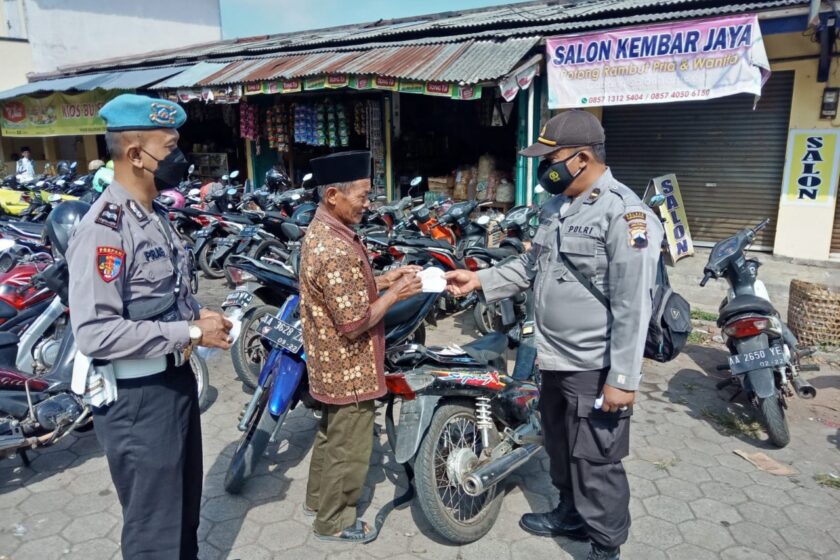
x=74 y=165
x=539 y=189
x=231 y=192
x=295 y=197
x=382 y=198
x=79 y=182
x=194 y=192
x=483 y=220
x=191 y=169
x=235 y=174
x=307 y=177
x=55 y=197
x=225 y=178
x=416 y=181
x=6 y=244
x=60 y=182
x=40 y=183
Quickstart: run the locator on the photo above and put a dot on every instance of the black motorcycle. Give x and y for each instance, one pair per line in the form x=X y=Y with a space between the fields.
x=764 y=354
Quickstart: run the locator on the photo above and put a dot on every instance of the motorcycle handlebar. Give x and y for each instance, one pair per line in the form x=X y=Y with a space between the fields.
x=761 y=226
x=706 y=278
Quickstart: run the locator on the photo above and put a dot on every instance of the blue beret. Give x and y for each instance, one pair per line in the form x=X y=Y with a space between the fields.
x=138 y=112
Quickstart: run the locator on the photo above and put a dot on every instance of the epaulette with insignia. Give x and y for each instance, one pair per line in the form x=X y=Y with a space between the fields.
x=110 y=216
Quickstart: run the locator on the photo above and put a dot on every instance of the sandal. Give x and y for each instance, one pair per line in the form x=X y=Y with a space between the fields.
x=309 y=512
x=360 y=533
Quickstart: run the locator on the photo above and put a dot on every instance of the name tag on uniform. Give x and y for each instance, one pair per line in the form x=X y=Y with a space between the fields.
x=154 y=254
x=582 y=230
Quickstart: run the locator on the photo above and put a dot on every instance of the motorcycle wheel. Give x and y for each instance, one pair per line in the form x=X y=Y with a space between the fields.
x=248 y=353
x=202 y=380
x=486 y=318
x=273 y=251
x=453 y=513
x=773 y=418
x=204 y=260
x=251 y=445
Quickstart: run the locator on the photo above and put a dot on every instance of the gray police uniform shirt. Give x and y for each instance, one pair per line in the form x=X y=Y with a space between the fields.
x=119 y=254
x=614 y=240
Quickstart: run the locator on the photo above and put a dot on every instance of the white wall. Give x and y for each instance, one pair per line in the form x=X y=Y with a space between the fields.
x=71 y=32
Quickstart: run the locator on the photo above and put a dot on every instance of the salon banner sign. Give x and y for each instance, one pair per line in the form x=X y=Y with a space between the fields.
x=699 y=59
x=56 y=114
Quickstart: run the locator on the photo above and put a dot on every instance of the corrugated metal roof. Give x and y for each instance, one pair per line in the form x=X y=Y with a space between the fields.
x=191 y=76
x=531 y=18
x=469 y=62
x=118 y=79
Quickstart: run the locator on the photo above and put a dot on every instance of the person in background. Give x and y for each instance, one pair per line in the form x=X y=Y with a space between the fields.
x=25 y=169
x=344 y=336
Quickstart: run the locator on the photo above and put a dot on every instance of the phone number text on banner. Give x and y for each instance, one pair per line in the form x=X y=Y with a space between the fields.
x=700 y=59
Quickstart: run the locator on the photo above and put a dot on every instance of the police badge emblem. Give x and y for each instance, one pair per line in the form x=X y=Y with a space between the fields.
x=109 y=262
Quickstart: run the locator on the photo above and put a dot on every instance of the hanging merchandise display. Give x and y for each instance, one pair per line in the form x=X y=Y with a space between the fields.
x=248 y=121
x=321 y=124
x=277 y=127
x=360 y=119
x=375 y=143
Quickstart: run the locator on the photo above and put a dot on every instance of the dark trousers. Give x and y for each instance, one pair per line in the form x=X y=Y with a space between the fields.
x=152 y=440
x=339 y=465
x=585 y=447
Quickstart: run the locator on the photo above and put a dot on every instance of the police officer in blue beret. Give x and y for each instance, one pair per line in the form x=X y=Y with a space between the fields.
x=132 y=311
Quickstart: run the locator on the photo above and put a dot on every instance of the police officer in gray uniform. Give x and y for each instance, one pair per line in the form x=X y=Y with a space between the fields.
x=592 y=266
x=131 y=306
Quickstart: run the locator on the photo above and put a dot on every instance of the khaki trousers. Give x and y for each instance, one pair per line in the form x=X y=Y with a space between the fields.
x=339 y=465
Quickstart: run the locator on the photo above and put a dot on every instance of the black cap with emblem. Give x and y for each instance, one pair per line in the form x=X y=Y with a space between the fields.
x=569 y=129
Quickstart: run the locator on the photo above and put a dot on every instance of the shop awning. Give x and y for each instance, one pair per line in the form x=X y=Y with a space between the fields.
x=118 y=79
x=191 y=76
x=469 y=62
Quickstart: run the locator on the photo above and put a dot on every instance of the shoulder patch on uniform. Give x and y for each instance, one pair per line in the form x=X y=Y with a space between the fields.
x=109 y=262
x=637 y=230
x=135 y=209
x=109 y=216
x=635 y=216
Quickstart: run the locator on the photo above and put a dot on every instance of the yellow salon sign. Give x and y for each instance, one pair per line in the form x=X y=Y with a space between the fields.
x=676 y=222
x=811 y=167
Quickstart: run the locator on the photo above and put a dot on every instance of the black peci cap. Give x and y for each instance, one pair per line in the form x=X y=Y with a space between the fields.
x=568 y=129
x=341 y=167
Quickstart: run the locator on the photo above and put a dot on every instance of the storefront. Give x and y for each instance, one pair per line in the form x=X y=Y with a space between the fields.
x=693 y=111
x=726 y=155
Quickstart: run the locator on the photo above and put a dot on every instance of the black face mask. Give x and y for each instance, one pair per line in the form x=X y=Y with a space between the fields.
x=170 y=170
x=554 y=176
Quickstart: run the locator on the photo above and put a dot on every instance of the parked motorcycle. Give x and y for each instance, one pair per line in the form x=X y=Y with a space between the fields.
x=764 y=355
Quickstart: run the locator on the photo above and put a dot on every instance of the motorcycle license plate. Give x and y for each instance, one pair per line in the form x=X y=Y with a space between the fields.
x=239 y=298
x=281 y=333
x=757 y=359
x=248 y=232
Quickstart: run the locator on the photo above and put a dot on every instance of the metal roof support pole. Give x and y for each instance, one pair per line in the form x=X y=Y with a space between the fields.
x=523 y=118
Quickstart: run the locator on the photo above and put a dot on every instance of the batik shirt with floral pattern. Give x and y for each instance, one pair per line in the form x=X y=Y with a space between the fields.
x=337 y=288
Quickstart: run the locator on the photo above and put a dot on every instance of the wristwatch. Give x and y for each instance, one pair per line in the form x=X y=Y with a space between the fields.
x=195 y=335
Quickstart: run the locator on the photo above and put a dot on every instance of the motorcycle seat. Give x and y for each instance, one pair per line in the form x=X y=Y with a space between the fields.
x=404 y=311
x=274 y=215
x=8 y=339
x=32 y=229
x=238 y=219
x=496 y=254
x=192 y=212
x=423 y=242
x=487 y=348
x=380 y=240
x=7 y=311
x=745 y=304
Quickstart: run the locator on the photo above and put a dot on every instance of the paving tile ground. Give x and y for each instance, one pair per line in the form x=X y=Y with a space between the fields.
x=693 y=498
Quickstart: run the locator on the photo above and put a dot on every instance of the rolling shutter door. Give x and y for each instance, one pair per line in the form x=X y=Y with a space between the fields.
x=835 y=233
x=728 y=159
